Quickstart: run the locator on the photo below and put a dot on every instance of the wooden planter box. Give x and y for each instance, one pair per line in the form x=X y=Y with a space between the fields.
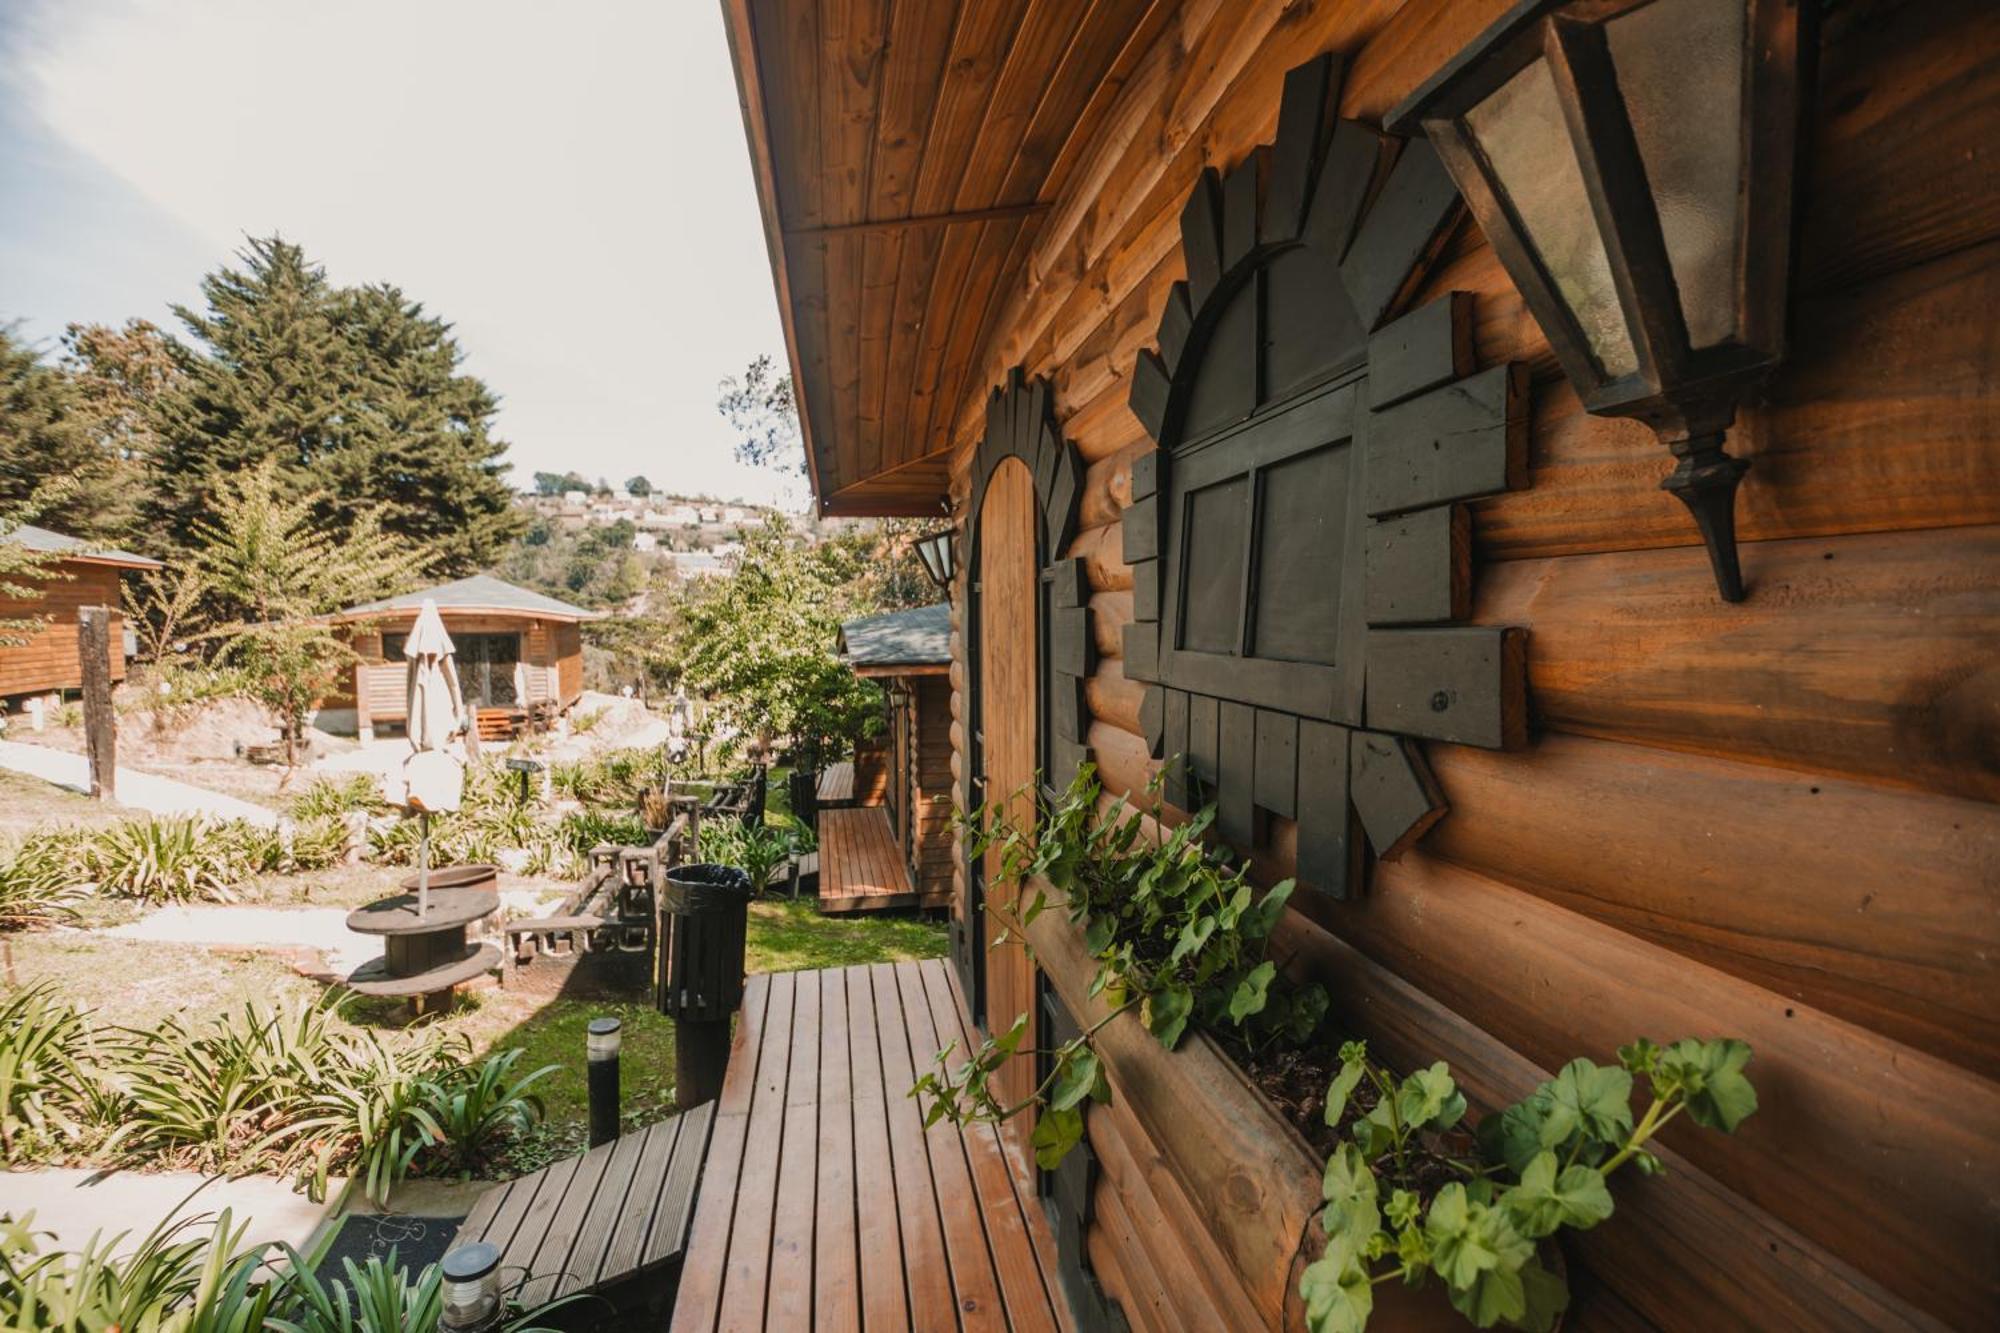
x=1256 y=1177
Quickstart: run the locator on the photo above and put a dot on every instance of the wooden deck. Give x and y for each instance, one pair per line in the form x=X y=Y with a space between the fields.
x=836 y=785
x=601 y=1221
x=826 y=1203
x=861 y=868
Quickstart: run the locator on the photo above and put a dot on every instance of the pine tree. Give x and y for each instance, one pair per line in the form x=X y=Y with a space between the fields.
x=353 y=393
x=50 y=457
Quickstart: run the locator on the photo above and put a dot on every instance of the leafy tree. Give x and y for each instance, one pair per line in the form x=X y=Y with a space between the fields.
x=121 y=376
x=51 y=458
x=555 y=483
x=760 y=644
x=354 y=394
x=278 y=569
x=765 y=414
x=639 y=486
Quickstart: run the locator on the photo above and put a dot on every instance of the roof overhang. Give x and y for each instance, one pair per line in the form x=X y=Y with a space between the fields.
x=905 y=158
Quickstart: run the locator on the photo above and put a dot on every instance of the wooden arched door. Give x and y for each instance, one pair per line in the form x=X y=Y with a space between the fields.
x=1009 y=576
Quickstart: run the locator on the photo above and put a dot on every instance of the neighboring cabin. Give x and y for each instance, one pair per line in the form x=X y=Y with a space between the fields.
x=516 y=649
x=83 y=575
x=908 y=653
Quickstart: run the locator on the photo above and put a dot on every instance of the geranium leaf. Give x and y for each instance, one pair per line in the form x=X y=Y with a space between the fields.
x=1546 y=1199
x=1338 y=1296
x=1166 y=1014
x=1075 y=1080
x=1710 y=1075
x=1337 y=1093
x=1251 y=992
x=1056 y=1132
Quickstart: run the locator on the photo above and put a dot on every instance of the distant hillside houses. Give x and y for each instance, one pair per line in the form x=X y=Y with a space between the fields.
x=702 y=535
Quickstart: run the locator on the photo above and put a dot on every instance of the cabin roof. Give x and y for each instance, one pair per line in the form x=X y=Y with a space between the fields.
x=76 y=548
x=906 y=164
x=480 y=592
x=897 y=640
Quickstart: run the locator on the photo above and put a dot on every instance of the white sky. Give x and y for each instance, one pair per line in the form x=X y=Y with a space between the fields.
x=567 y=182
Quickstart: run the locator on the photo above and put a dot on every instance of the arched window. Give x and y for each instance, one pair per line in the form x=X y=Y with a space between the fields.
x=1299 y=544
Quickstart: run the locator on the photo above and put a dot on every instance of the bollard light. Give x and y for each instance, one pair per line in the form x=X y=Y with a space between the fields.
x=601 y=1042
x=471 y=1288
x=1631 y=162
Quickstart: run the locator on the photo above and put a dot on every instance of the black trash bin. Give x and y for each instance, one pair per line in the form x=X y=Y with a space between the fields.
x=704 y=911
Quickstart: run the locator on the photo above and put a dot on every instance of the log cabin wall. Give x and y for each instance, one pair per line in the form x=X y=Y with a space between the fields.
x=48 y=660
x=933 y=851
x=1773 y=820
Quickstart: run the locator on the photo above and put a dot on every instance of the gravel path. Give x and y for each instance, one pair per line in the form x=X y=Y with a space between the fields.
x=141 y=791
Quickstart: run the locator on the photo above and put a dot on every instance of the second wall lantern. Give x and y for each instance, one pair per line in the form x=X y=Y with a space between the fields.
x=1632 y=165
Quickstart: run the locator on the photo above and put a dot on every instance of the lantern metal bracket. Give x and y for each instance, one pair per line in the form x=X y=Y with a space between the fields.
x=1705 y=480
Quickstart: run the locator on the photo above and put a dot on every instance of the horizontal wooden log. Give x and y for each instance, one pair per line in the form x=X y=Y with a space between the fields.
x=1882 y=417
x=1852 y=1129
x=1871 y=903
x=1110 y=613
x=1864 y=655
x=1102 y=550
x=1256 y=1179
x=1114 y=699
x=1681 y=1248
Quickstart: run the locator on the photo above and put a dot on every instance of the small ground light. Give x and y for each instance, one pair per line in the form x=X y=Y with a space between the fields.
x=601 y=1041
x=472 y=1288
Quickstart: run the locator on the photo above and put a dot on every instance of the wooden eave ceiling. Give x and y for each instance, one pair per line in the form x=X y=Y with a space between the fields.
x=906 y=153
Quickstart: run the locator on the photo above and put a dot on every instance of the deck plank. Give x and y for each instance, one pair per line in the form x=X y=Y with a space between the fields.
x=748 y=1271
x=836 y=1281
x=675 y=1211
x=836 y=784
x=973 y=1273
x=519 y=1254
x=699 y=1300
x=593 y=1242
x=790 y=1305
x=1014 y=1259
x=884 y=1300
x=926 y=1266
x=625 y=1248
x=551 y=1262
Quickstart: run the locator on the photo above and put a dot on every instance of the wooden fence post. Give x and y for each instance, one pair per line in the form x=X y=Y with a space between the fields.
x=100 y=726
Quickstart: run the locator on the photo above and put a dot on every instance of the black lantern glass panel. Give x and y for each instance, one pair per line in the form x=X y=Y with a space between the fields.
x=1631 y=162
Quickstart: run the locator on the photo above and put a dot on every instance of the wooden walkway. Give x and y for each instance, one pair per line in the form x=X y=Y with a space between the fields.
x=861 y=868
x=827 y=1204
x=619 y=1212
x=836 y=785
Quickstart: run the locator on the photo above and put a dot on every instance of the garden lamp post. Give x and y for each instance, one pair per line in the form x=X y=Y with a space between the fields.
x=471 y=1289
x=1631 y=162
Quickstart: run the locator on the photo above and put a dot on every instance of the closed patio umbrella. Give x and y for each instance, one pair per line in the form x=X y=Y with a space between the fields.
x=433 y=778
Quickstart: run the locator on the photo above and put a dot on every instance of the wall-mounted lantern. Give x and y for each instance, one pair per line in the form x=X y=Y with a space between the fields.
x=1632 y=164
x=935 y=550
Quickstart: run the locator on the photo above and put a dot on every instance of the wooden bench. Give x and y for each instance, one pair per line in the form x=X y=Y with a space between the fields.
x=613 y=1222
x=825 y=1202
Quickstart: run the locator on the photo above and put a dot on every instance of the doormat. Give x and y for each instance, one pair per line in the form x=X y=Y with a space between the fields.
x=417 y=1242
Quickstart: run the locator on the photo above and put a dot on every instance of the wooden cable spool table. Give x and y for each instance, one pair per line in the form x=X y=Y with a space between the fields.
x=428 y=954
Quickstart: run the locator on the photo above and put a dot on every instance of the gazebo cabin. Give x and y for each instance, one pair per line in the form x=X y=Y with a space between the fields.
x=908 y=654
x=1261 y=460
x=519 y=654
x=80 y=575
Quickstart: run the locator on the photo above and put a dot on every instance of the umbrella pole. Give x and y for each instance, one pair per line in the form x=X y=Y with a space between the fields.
x=424 y=864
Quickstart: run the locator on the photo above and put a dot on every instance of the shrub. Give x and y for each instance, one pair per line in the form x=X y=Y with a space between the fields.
x=168 y=858
x=40 y=877
x=171 y=1281
x=335 y=796
x=42 y=1079
x=479 y=1111
x=585 y=829
x=318 y=843
x=756 y=849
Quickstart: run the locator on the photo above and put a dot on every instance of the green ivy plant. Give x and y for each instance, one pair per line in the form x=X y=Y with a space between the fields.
x=1410 y=1195
x=1178 y=931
